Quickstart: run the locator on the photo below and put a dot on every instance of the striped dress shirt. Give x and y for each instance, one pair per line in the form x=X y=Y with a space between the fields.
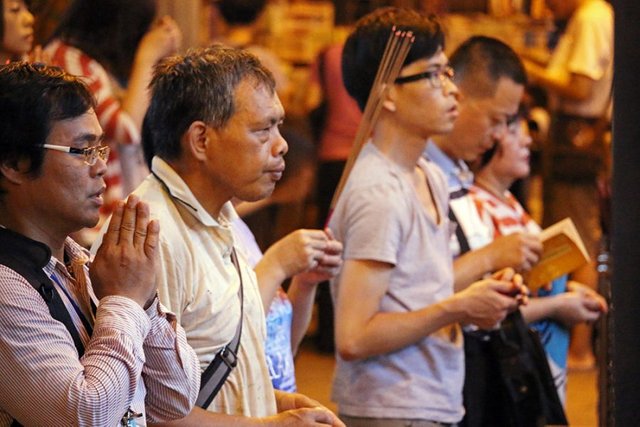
x=133 y=357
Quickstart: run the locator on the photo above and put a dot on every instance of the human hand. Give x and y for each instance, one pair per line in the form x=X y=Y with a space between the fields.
x=573 y=307
x=315 y=252
x=520 y=251
x=521 y=294
x=595 y=300
x=573 y=286
x=163 y=38
x=297 y=409
x=487 y=302
x=287 y=401
x=327 y=266
x=319 y=416
x=125 y=263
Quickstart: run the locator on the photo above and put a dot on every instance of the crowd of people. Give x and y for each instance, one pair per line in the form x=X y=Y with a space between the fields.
x=133 y=293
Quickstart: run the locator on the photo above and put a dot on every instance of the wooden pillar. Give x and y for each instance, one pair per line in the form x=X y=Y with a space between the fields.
x=625 y=288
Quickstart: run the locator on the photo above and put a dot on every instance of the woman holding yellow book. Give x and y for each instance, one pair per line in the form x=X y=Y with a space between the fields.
x=565 y=303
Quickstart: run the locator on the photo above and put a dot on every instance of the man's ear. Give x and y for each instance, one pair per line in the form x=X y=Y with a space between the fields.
x=15 y=172
x=197 y=139
x=389 y=101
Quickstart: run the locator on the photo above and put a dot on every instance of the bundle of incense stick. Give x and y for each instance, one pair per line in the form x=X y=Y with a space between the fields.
x=395 y=53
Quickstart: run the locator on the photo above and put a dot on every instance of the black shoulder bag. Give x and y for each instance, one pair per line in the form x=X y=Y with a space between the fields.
x=508 y=381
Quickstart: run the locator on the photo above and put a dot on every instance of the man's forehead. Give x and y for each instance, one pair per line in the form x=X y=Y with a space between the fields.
x=437 y=59
x=85 y=126
x=251 y=96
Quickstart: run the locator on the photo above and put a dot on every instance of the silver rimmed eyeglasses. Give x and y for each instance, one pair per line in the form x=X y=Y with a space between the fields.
x=90 y=154
x=436 y=78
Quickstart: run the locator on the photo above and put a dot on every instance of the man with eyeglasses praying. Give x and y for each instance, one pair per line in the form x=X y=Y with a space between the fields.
x=79 y=347
x=400 y=358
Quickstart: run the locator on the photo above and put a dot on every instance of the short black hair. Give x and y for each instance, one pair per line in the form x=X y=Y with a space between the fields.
x=480 y=62
x=199 y=85
x=365 y=46
x=32 y=98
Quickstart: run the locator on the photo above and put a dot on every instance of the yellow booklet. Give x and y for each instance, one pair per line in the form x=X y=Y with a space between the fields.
x=563 y=252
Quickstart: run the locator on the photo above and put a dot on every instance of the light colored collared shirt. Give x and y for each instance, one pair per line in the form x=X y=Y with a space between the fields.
x=459 y=180
x=198 y=281
x=457 y=173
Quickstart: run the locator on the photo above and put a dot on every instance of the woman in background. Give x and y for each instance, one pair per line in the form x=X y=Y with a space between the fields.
x=16 y=27
x=114 y=45
x=565 y=303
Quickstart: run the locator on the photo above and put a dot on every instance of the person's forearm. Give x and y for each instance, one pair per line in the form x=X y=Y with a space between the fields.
x=470 y=267
x=302 y=296
x=270 y=276
x=391 y=331
x=136 y=97
x=573 y=87
x=539 y=308
x=95 y=390
x=171 y=372
x=200 y=417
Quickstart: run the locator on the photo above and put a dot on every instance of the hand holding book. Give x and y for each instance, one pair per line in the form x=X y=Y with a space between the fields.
x=563 y=252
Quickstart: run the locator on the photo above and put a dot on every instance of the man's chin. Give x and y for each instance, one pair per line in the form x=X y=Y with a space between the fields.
x=256 y=196
x=92 y=221
x=471 y=157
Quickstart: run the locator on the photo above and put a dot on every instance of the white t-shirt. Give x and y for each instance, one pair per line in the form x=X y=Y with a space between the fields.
x=586 y=48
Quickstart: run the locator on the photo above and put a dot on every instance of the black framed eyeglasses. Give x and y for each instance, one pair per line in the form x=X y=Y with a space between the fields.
x=90 y=154
x=436 y=78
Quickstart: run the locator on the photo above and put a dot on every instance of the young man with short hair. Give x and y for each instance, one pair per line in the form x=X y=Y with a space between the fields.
x=400 y=357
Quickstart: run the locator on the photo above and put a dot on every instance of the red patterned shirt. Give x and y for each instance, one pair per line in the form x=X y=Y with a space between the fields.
x=503 y=216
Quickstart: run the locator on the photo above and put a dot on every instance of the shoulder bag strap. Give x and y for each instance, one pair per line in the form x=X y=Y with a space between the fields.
x=226 y=359
x=462 y=238
x=27 y=257
x=15 y=253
